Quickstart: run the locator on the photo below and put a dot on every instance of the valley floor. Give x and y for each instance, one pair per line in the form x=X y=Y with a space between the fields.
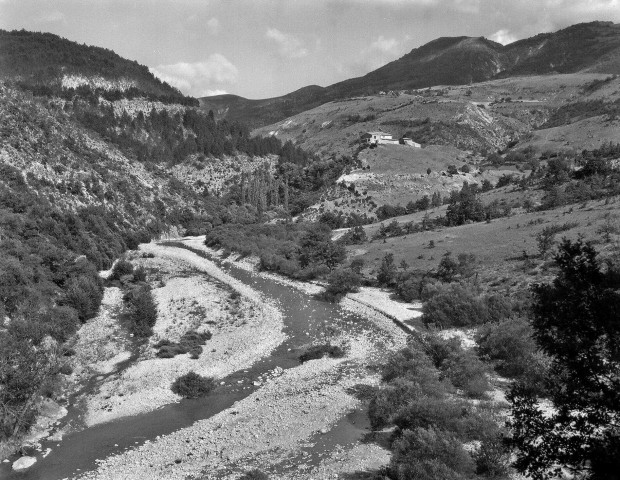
x=302 y=421
x=290 y=426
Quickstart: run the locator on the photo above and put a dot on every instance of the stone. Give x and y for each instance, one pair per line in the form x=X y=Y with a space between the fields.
x=24 y=463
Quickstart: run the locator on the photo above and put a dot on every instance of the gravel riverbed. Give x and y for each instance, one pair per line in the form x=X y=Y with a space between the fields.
x=272 y=427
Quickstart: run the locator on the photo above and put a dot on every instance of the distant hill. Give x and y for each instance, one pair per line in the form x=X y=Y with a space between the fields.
x=587 y=47
x=48 y=64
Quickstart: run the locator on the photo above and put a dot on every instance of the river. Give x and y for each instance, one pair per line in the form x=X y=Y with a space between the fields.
x=305 y=319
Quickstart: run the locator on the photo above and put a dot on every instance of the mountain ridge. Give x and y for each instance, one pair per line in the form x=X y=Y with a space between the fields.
x=589 y=47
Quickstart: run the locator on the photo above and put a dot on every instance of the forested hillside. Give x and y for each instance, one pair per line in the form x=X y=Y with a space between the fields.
x=89 y=169
x=48 y=64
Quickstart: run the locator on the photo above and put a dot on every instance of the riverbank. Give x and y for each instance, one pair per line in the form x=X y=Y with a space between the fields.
x=375 y=303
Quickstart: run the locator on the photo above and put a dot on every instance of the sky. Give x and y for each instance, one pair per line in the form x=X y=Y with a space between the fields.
x=267 y=48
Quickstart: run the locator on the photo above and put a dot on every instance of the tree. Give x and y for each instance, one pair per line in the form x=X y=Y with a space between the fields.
x=575 y=322
x=545 y=240
x=24 y=370
x=465 y=206
x=387 y=270
x=317 y=248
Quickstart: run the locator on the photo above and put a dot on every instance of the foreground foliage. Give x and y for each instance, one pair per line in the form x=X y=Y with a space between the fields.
x=432 y=423
x=576 y=323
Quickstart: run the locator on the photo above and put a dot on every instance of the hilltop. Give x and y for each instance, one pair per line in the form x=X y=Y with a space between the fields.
x=587 y=47
x=48 y=64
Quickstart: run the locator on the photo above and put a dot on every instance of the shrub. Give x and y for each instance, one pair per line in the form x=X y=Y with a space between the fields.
x=121 y=267
x=354 y=236
x=340 y=282
x=255 y=474
x=192 y=385
x=430 y=454
x=141 y=311
x=84 y=294
x=408 y=285
x=387 y=270
x=462 y=367
x=61 y=322
x=450 y=269
x=467 y=372
x=430 y=412
x=510 y=346
x=319 y=351
x=455 y=305
x=139 y=274
x=388 y=401
x=493 y=458
x=191 y=342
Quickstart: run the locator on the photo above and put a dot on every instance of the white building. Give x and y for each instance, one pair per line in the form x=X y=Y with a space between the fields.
x=376 y=138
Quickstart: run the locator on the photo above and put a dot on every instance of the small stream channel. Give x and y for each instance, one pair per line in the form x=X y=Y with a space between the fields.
x=305 y=319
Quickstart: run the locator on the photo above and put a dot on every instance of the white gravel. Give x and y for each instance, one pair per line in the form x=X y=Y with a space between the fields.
x=266 y=427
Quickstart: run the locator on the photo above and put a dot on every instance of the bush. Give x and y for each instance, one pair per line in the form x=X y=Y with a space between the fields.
x=462 y=367
x=191 y=342
x=455 y=305
x=192 y=385
x=430 y=454
x=61 y=322
x=388 y=401
x=467 y=372
x=84 y=294
x=141 y=311
x=493 y=458
x=354 y=236
x=255 y=474
x=510 y=346
x=139 y=274
x=340 y=282
x=319 y=351
x=121 y=267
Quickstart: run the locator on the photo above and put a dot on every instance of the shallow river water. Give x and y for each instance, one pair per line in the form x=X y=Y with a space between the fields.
x=305 y=319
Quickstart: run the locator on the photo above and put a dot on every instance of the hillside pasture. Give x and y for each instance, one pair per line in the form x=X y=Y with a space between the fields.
x=499 y=246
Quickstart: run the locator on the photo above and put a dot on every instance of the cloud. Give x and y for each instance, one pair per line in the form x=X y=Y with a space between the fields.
x=385 y=45
x=211 y=93
x=379 y=52
x=199 y=78
x=51 y=17
x=288 y=45
x=213 y=26
x=503 y=36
